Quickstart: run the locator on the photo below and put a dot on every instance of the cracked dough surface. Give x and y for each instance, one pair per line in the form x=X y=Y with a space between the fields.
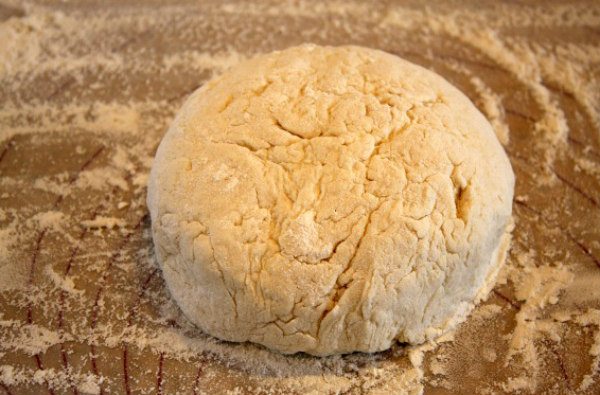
x=329 y=200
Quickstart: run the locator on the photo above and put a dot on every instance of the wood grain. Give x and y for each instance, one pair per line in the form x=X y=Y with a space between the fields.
x=120 y=293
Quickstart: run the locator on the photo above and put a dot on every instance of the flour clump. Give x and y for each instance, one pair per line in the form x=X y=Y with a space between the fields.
x=329 y=200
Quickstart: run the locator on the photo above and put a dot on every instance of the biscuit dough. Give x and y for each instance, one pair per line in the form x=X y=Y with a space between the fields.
x=329 y=200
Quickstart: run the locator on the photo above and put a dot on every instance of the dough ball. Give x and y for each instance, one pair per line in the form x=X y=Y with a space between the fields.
x=329 y=200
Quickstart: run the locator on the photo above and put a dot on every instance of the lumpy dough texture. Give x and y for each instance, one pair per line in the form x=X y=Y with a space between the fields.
x=329 y=200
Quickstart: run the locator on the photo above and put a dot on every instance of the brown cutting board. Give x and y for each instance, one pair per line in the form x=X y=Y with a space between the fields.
x=88 y=88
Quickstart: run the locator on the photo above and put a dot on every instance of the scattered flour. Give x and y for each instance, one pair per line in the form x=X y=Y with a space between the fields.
x=103 y=222
x=88 y=384
x=64 y=283
x=54 y=220
x=55 y=46
x=493 y=109
x=591 y=317
x=29 y=338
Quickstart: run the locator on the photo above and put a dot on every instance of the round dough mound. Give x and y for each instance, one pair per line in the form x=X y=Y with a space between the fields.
x=329 y=200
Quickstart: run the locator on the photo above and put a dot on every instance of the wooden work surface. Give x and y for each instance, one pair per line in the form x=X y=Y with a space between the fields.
x=88 y=88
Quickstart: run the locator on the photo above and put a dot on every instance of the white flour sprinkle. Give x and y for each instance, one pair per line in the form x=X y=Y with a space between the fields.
x=88 y=81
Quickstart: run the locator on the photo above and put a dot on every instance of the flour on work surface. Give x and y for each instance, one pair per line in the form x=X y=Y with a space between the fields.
x=86 y=95
x=103 y=222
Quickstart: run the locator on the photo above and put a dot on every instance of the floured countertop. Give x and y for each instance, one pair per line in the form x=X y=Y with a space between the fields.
x=86 y=93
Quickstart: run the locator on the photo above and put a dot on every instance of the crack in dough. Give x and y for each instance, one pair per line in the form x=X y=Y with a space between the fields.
x=329 y=200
